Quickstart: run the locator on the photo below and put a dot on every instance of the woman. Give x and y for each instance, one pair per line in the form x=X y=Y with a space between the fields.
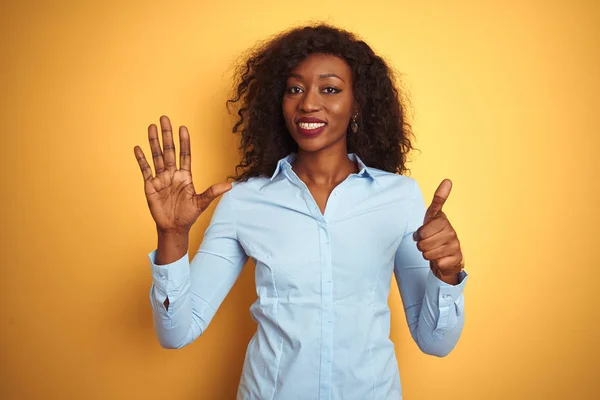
x=321 y=206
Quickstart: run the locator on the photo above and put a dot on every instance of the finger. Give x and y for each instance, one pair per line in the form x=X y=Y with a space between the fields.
x=439 y=252
x=437 y=240
x=141 y=159
x=157 y=156
x=452 y=263
x=431 y=228
x=168 y=145
x=439 y=198
x=204 y=199
x=185 y=152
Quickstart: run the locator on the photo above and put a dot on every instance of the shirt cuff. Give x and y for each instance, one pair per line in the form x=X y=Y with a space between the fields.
x=444 y=293
x=449 y=300
x=169 y=276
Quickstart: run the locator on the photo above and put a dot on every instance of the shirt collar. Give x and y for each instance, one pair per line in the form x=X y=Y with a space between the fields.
x=286 y=162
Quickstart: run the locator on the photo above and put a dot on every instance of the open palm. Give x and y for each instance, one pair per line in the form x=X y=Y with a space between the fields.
x=171 y=195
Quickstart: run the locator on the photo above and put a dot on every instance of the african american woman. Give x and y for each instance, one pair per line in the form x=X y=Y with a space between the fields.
x=322 y=205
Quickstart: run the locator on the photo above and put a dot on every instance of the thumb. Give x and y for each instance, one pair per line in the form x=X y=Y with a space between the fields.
x=204 y=199
x=439 y=198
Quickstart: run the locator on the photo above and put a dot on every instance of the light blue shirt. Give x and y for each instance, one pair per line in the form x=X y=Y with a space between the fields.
x=322 y=284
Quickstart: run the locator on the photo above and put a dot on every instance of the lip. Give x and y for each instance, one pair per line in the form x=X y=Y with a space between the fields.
x=310 y=120
x=310 y=133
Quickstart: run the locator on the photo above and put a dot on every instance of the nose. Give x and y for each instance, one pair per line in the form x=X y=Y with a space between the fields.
x=310 y=102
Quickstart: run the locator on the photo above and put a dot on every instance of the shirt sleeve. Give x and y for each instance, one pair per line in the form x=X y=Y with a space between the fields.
x=197 y=289
x=434 y=309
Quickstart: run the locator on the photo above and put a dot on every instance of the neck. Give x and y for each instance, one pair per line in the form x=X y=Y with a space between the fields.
x=325 y=167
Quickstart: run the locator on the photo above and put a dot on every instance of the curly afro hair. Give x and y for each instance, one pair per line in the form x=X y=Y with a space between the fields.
x=383 y=139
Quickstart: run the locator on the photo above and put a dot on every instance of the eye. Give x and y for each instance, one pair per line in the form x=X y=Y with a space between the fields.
x=294 y=90
x=331 y=90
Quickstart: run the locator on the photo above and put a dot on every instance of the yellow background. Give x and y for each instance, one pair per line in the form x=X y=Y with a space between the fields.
x=505 y=102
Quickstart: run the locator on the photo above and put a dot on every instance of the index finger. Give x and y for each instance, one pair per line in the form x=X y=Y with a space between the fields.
x=185 y=152
x=439 y=198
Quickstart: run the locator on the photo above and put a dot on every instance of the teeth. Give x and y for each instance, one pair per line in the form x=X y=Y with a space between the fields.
x=309 y=126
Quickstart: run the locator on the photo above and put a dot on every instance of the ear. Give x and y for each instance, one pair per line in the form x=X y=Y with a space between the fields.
x=355 y=108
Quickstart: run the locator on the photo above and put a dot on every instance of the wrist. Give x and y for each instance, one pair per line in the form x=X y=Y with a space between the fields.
x=173 y=232
x=172 y=245
x=450 y=276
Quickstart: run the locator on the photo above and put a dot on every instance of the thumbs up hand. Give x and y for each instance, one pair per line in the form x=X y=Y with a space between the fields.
x=438 y=241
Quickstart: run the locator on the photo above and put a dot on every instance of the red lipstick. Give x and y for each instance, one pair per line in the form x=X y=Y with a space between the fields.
x=311 y=126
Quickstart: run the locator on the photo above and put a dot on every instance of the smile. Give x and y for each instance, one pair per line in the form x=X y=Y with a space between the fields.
x=310 y=125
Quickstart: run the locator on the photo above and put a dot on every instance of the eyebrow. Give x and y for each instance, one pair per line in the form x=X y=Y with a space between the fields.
x=322 y=76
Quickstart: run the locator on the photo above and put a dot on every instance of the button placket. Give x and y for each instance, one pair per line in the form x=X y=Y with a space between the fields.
x=327 y=309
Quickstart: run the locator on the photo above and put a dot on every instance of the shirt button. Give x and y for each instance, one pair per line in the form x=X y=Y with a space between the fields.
x=446 y=296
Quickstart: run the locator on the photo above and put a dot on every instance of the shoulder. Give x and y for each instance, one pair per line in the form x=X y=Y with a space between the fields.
x=253 y=183
x=241 y=190
x=392 y=181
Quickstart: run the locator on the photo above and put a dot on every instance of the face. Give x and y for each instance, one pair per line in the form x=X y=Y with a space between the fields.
x=318 y=102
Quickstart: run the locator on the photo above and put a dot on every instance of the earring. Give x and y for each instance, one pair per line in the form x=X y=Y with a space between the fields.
x=353 y=124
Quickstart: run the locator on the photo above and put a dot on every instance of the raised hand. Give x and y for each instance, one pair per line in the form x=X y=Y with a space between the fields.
x=171 y=196
x=437 y=239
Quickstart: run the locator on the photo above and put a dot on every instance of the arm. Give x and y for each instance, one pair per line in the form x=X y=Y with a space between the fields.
x=171 y=247
x=434 y=309
x=185 y=296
